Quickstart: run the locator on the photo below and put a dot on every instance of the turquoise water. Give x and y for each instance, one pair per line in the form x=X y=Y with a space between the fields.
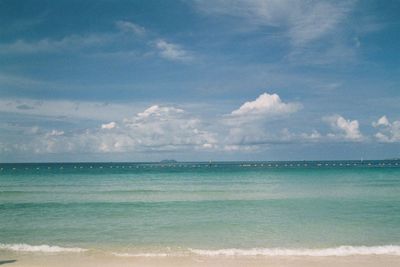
x=147 y=206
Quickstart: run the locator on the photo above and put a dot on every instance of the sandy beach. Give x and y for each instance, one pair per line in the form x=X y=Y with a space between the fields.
x=104 y=260
x=92 y=260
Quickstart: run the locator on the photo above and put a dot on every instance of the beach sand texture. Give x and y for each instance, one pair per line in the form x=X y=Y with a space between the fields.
x=14 y=260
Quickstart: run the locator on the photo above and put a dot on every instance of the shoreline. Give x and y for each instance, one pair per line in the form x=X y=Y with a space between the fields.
x=101 y=259
x=337 y=251
x=23 y=255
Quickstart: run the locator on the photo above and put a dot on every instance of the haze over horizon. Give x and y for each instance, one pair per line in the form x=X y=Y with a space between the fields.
x=199 y=80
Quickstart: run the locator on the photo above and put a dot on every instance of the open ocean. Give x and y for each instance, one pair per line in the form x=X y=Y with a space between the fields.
x=327 y=208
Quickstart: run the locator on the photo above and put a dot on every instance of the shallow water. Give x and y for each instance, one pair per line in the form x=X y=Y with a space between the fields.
x=201 y=207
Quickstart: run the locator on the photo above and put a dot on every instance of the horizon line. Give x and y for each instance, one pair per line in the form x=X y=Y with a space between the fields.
x=200 y=161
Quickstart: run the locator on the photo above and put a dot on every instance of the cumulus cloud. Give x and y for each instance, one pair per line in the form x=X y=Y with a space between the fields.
x=344 y=129
x=389 y=132
x=313 y=136
x=157 y=111
x=157 y=128
x=383 y=121
x=267 y=105
x=171 y=51
x=249 y=127
x=165 y=128
x=169 y=128
x=109 y=126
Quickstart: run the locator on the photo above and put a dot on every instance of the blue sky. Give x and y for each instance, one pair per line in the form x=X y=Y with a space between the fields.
x=199 y=80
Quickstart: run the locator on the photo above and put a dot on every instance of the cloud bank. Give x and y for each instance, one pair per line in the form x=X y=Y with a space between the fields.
x=253 y=126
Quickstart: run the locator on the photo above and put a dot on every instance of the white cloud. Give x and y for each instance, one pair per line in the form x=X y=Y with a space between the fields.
x=172 y=51
x=109 y=126
x=249 y=128
x=302 y=21
x=168 y=128
x=67 y=109
x=313 y=136
x=266 y=105
x=97 y=44
x=257 y=137
x=344 y=129
x=383 y=121
x=314 y=20
x=389 y=132
x=128 y=26
x=71 y=42
x=55 y=133
x=67 y=43
x=157 y=128
x=157 y=111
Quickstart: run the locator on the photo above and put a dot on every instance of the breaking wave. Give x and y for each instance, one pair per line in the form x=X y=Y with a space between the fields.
x=141 y=254
x=323 y=252
x=39 y=248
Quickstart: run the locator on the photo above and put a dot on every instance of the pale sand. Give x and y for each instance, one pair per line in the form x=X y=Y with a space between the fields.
x=98 y=260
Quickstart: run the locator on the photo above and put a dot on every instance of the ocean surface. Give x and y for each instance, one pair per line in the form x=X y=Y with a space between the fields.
x=326 y=208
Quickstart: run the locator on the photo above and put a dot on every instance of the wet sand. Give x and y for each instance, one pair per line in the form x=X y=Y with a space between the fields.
x=97 y=260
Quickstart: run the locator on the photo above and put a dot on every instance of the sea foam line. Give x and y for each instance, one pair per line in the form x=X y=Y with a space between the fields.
x=141 y=254
x=323 y=252
x=39 y=248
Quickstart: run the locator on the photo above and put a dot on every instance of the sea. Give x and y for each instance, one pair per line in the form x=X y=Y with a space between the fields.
x=294 y=208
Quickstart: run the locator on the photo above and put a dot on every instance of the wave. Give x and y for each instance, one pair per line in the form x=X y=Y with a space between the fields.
x=141 y=254
x=39 y=248
x=323 y=252
x=342 y=251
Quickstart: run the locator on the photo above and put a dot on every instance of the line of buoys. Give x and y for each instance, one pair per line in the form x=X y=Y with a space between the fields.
x=214 y=165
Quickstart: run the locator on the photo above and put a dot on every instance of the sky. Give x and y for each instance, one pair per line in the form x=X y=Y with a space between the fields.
x=199 y=80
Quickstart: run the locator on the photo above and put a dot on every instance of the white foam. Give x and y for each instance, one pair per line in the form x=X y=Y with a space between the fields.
x=39 y=248
x=140 y=254
x=323 y=252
